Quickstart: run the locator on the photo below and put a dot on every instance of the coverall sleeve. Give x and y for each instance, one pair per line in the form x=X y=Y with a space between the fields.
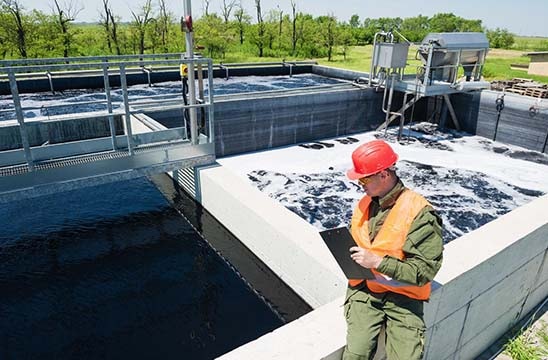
x=423 y=249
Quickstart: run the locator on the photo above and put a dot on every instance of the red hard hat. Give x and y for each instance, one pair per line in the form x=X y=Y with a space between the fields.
x=371 y=158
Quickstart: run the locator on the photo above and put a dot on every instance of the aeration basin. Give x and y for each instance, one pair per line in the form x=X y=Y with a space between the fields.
x=117 y=264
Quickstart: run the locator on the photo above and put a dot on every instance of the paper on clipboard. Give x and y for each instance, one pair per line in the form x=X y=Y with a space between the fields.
x=338 y=241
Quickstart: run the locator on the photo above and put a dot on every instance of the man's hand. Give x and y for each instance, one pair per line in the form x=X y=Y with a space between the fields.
x=365 y=258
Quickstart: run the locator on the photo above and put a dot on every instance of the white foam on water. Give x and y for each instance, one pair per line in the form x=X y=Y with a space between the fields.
x=469 y=179
x=40 y=105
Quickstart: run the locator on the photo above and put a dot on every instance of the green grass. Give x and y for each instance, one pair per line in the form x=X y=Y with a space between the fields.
x=530 y=43
x=358 y=58
x=499 y=69
x=497 y=66
x=523 y=347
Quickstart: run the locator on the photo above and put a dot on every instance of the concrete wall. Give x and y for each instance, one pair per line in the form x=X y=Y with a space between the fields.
x=273 y=120
x=53 y=131
x=538 y=64
x=519 y=123
x=490 y=278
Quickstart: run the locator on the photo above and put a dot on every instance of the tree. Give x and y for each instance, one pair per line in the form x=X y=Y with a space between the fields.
x=104 y=21
x=65 y=15
x=271 y=28
x=259 y=38
x=500 y=38
x=14 y=9
x=415 y=28
x=214 y=34
x=354 y=21
x=328 y=33
x=242 y=20
x=45 y=39
x=346 y=39
x=226 y=9
x=280 y=26
x=165 y=18
x=444 y=22
x=110 y=24
x=293 y=27
x=141 y=22
x=206 y=7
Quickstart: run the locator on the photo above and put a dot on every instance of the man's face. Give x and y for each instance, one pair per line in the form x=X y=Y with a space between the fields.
x=373 y=184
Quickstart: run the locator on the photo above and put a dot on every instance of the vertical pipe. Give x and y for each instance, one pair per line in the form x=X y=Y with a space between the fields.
x=210 y=101
x=200 y=72
x=50 y=79
x=389 y=105
x=20 y=120
x=545 y=143
x=111 y=123
x=191 y=78
x=402 y=116
x=457 y=66
x=428 y=65
x=373 y=60
x=127 y=122
x=200 y=81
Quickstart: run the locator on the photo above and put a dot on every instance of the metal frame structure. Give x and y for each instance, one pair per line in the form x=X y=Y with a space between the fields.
x=53 y=166
x=423 y=84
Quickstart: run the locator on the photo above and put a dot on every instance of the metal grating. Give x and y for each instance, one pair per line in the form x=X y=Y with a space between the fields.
x=81 y=159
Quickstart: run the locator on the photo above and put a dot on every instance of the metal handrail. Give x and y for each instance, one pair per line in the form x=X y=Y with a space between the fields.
x=136 y=64
x=125 y=110
x=87 y=68
x=43 y=61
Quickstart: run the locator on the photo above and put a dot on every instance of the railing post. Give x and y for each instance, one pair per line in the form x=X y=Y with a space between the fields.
x=210 y=108
x=111 y=123
x=127 y=122
x=189 y=37
x=50 y=79
x=21 y=120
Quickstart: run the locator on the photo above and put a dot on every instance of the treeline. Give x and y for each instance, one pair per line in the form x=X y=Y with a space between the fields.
x=155 y=29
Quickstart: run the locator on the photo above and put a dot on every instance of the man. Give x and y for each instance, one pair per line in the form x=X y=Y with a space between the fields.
x=398 y=236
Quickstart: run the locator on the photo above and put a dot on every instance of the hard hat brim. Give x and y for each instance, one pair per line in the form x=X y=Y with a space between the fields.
x=352 y=174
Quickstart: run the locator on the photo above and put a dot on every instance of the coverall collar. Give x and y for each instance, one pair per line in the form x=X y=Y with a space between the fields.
x=388 y=200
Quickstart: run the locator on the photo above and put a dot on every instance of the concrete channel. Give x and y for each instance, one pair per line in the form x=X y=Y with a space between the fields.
x=491 y=278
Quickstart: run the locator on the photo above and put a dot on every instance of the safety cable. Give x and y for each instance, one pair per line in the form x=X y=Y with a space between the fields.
x=499 y=106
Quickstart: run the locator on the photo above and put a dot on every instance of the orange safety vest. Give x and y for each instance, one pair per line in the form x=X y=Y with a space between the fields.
x=389 y=241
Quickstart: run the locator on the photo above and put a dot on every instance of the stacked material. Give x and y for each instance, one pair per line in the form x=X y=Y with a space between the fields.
x=529 y=87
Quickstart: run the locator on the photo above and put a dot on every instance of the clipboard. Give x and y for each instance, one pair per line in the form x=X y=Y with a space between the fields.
x=338 y=241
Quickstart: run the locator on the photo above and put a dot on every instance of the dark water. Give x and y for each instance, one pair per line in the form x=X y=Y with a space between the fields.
x=114 y=272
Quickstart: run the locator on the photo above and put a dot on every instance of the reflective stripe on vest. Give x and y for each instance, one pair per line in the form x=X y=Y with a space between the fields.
x=389 y=241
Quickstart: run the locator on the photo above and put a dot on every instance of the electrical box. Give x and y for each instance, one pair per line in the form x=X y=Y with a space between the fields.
x=391 y=55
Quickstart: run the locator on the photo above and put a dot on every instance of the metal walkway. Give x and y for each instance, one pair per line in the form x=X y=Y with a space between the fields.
x=52 y=153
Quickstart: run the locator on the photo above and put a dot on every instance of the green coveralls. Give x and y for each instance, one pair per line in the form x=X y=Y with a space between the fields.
x=366 y=311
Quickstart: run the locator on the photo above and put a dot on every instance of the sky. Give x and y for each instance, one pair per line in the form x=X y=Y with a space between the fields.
x=526 y=17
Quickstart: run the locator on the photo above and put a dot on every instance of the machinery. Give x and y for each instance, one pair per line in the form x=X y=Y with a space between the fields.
x=444 y=57
x=443 y=54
